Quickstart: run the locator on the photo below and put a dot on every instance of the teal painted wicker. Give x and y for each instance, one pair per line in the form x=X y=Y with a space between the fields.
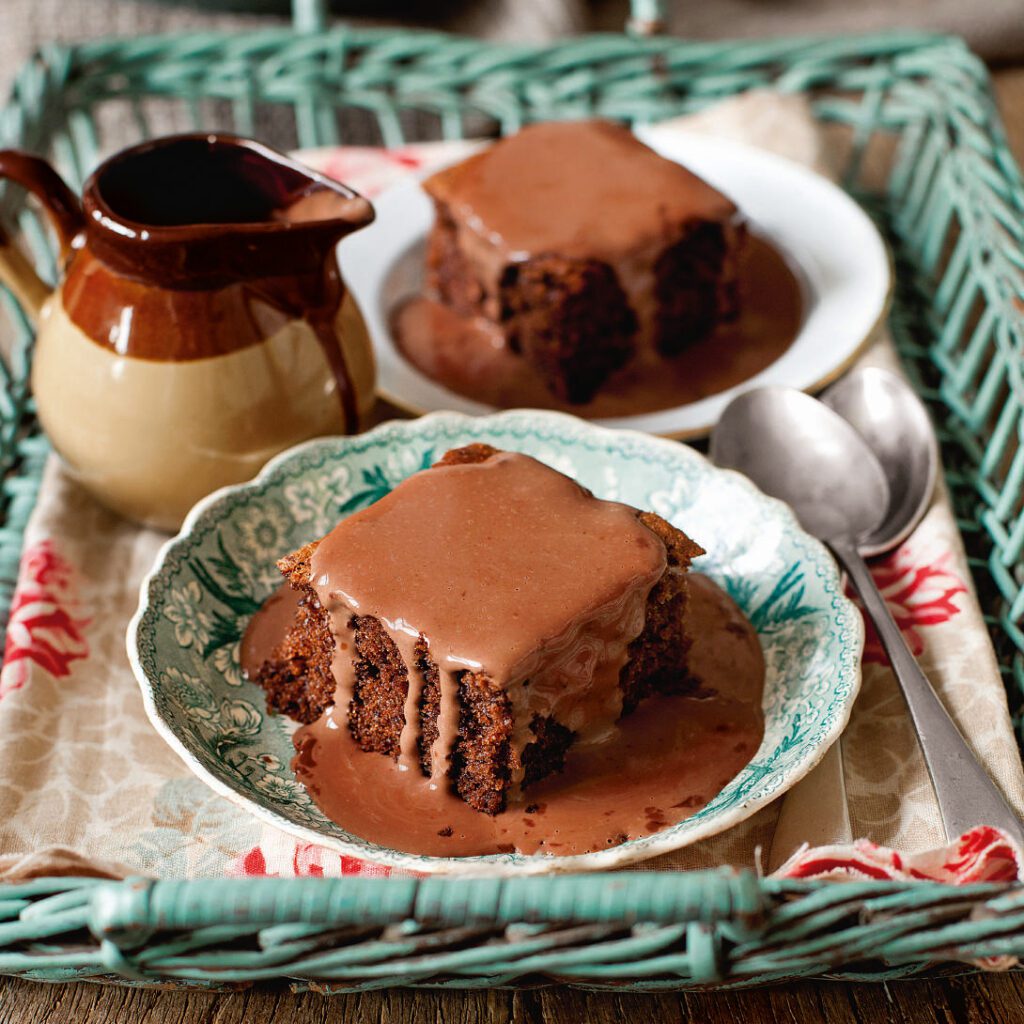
x=953 y=212
x=644 y=930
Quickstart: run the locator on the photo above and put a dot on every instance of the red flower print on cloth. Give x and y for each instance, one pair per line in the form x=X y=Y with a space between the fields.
x=370 y=170
x=366 y=169
x=290 y=858
x=920 y=588
x=43 y=628
x=982 y=854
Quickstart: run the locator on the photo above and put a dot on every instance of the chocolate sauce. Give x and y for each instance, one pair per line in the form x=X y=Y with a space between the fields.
x=320 y=314
x=582 y=189
x=470 y=357
x=485 y=560
x=658 y=766
x=267 y=628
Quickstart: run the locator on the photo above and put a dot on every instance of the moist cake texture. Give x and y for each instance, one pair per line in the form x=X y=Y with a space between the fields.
x=481 y=619
x=586 y=247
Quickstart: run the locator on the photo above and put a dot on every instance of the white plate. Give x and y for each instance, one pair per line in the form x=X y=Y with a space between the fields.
x=836 y=248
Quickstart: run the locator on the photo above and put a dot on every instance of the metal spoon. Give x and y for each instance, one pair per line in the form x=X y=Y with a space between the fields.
x=887 y=414
x=797 y=449
x=884 y=410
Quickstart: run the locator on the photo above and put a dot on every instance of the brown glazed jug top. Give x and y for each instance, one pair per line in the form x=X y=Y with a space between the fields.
x=205 y=210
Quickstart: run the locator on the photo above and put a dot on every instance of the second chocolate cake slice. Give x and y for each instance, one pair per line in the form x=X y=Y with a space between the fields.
x=482 y=618
x=586 y=248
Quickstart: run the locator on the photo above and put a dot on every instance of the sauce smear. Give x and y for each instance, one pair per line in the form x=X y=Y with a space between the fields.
x=267 y=628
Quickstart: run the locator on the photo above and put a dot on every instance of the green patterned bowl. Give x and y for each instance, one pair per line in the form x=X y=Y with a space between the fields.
x=207 y=582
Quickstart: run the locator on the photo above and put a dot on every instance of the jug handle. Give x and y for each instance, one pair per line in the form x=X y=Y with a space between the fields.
x=64 y=211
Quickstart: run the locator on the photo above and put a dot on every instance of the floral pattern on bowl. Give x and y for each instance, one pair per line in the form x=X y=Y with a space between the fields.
x=184 y=639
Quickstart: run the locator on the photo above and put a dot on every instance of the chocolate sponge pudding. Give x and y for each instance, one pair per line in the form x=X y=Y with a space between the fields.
x=472 y=651
x=585 y=249
x=451 y=621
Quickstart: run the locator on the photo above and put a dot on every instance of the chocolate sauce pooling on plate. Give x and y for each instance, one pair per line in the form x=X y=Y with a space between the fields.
x=655 y=768
x=469 y=355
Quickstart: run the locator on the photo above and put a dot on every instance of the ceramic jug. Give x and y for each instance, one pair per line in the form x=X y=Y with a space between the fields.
x=200 y=325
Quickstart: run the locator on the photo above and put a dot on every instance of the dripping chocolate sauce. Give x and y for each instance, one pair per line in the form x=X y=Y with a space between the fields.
x=660 y=765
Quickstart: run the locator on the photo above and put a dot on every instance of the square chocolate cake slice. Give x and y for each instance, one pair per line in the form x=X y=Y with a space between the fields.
x=483 y=617
x=586 y=248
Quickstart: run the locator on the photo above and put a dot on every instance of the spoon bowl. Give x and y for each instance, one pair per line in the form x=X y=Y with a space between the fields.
x=796 y=449
x=884 y=410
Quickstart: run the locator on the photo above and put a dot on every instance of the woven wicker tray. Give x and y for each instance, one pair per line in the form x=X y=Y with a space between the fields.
x=952 y=209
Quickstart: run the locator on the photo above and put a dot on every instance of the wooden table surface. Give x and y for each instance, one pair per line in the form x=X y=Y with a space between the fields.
x=975 y=998
x=992 y=999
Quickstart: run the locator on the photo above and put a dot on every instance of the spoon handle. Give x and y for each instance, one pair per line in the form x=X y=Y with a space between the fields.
x=965 y=793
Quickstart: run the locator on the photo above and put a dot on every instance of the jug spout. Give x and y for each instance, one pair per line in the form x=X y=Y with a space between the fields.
x=321 y=214
x=332 y=206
